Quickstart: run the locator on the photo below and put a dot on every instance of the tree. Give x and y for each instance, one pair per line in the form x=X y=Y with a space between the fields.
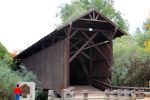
x=76 y=7
x=146 y=24
x=5 y=55
x=9 y=77
x=131 y=62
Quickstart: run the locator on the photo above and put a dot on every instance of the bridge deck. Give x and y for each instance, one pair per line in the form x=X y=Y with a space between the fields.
x=92 y=92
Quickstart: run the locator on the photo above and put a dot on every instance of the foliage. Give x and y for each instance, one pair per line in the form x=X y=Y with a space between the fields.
x=42 y=95
x=131 y=61
x=3 y=51
x=147 y=45
x=146 y=24
x=76 y=7
x=10 y=77
x=132 y=58
x=5 y=56
x=28 y=76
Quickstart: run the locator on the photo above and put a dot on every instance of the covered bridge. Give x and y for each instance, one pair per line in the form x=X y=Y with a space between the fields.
x=77 y=53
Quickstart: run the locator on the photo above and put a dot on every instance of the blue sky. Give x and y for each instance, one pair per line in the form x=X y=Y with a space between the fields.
x=23 y=22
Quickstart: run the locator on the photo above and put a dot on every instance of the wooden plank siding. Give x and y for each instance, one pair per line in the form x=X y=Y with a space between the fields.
x=49 y=65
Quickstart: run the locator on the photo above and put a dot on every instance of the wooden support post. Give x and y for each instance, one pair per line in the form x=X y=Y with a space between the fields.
x=67 y=67
x=93 y=15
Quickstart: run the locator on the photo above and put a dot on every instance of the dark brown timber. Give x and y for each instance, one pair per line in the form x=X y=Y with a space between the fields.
x=76 y=53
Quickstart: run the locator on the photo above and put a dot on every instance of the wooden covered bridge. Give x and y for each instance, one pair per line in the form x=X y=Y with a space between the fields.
x=77 y=53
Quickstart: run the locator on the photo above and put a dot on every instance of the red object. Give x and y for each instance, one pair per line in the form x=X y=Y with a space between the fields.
x=17 y=90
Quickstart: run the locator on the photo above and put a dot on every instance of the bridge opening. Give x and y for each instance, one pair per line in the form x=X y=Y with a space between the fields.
x=77 y=73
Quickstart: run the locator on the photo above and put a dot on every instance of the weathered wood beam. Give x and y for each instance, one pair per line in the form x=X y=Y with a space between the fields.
x=65 y=32
x=109 y=81
x=108 y=46
x=94 y=20
x=90 y=16
x=102 y=55
x=85 y=23
x=75 y=44
x=68 y=30
x=87 y=29
x=82 y=47
x=81 y=52
x=93 y=46
x=114 y=33
x=84 y=68
x=73 y=33
x=107 y=35
x=67 y=68
x=97 y=48
x=93 y=15
x=72 y=52
x=96 y=45
x=97 y=17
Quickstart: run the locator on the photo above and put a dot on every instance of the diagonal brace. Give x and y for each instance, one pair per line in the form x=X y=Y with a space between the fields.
x=97 y=48
x=79 y=51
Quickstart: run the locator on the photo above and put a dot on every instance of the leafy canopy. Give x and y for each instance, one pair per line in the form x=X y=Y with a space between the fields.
x=132 y=59
x=77 y=7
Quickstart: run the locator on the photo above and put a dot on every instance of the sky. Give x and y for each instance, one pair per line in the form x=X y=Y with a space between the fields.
x=23 y=22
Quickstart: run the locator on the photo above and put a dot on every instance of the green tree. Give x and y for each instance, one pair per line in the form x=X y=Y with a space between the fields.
x=77 y=7
x=146 y=24
x=131 y=61
x=9 y=77
x=3 y=51
x=5 y=55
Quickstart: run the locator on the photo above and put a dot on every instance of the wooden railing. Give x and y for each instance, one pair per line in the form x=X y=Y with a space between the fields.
x=103 y=86
x=131 y=88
